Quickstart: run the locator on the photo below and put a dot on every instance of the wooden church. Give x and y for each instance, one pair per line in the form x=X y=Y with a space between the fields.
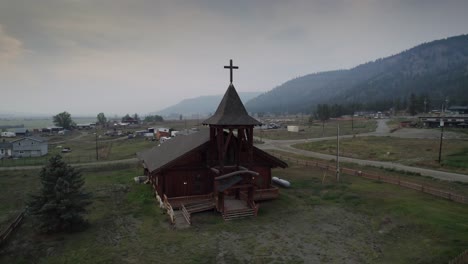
x=218 y=166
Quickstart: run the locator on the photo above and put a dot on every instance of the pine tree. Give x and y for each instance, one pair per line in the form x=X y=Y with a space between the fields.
x=61 y=202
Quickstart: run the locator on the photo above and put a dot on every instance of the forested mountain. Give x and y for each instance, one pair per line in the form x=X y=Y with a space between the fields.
x=202 y=105
x=436 y=70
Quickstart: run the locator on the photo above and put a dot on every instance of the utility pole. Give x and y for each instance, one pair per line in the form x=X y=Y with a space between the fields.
x=441 y=139
x=338 y=153
x=352 y=122
x=95 y=132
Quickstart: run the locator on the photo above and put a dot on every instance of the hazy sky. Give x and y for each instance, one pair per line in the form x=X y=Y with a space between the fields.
x=127 y=56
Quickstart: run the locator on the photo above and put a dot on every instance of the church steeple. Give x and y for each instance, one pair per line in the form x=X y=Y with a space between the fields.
x=231 y=130
x=231 y=111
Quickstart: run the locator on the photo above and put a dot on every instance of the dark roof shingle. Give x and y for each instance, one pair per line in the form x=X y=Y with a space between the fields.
x=157 y=157
x=231 y=111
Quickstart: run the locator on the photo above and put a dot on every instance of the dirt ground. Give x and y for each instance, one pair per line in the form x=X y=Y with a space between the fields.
x=327 y=235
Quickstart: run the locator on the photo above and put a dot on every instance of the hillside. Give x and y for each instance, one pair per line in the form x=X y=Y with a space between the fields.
x=437 y=69
x=202 y=105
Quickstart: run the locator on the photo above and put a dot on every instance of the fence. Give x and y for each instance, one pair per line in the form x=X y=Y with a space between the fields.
x=4 y=235
x=460 y=259
x=387 y=179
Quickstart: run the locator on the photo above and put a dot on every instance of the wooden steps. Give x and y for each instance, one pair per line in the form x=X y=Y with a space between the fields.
x=200 y=206
x=237 y=214
x=195 y=207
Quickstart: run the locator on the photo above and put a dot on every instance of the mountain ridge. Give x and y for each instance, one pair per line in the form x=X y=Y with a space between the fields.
x=438 y=68
x=201 y=105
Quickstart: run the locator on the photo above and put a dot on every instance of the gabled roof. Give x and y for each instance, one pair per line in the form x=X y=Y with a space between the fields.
x=160 y=156
x=38 y=139
x=176 y=148
x=231 y=111
x=21 y=130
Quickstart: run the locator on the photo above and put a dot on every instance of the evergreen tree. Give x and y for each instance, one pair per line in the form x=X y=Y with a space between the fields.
x=61 y=201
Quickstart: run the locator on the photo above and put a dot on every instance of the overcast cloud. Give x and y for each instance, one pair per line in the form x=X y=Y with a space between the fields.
x=139 y=56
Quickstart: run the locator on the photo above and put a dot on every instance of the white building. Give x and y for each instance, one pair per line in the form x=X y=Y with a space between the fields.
x=29 y=147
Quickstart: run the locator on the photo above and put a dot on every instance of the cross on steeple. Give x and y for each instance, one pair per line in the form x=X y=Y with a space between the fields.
x=230 y=67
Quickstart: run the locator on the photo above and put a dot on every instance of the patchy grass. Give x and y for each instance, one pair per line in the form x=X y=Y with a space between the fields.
x=413 y=152
x=354 y=221
x=457 y=160
x=85 y=151
x=316 y=130
x=452 y=186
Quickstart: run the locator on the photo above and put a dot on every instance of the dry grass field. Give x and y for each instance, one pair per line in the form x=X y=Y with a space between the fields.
x=316 y=130
x=413 y=152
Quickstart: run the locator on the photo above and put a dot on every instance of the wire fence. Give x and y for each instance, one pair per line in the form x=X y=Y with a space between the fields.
x=460 y=259
x=387 y=179
x=15 y=224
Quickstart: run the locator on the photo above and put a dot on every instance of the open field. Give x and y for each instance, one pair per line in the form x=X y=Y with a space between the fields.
x=83 y=144
x=355 y=221
x=31 y=123
x=84 y=150
x=450 y=186
x=316 y=130
x=413 y=152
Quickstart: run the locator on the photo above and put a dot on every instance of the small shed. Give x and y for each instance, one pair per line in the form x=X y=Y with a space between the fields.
x=293 y=128
x=22 y=132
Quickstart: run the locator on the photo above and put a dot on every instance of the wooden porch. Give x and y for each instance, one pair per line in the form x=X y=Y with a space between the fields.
x=235 y=209
x=262 y=194
x=177 y=202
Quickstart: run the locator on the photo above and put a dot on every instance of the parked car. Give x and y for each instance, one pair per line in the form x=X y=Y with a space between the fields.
x=66 y=150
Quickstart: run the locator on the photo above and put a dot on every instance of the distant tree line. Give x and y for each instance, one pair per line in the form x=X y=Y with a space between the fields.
x=153 y=118
x=414 y=104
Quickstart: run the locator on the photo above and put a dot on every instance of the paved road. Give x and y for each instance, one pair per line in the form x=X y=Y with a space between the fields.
x=382 y=130
x=286 y=146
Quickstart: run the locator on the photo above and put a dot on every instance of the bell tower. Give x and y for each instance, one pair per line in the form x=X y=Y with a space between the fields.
x=231 y=143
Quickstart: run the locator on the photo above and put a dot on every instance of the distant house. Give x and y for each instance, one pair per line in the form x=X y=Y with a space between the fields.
x=163 y=132
x=129 y=120
x=86 y=126
x=5 y=149
x=29 y=147
x=21 y=132
x=52 y=129
x=462 y=110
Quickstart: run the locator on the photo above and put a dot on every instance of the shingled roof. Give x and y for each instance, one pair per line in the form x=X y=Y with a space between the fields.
x=160 y=156
x=231 y=111
x=163 y=156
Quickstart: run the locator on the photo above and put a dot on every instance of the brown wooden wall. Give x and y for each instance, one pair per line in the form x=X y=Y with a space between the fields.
x=187 y=182
x=263 y=181
x=190 y=175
